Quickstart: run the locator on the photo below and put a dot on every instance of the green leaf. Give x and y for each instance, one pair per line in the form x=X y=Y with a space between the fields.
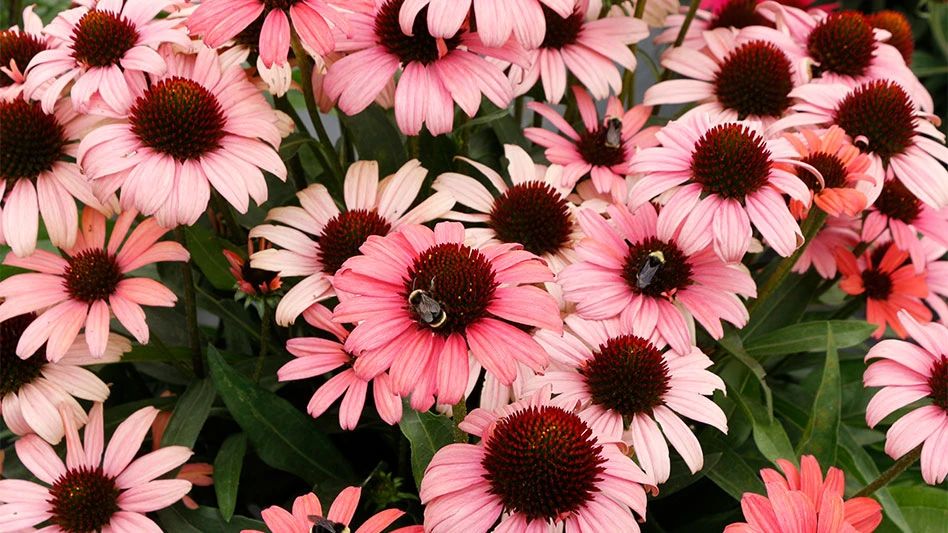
x=857 y=462
x=427 y=433
x=732 y=343
x=282 y=436
x=809 y=337
x=207 y=252
x=436 y=153
x=375 y=137
x=180 y=519
x=784 y=306
x=227 y=467
x=925 y=508
x=157 y=354
x=821 y=435
x=732 y=472
x=190 y=413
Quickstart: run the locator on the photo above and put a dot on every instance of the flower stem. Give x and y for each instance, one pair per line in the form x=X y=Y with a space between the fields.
x=190 y=309
x=459 y=412
x=884 y=478
x=264 y=339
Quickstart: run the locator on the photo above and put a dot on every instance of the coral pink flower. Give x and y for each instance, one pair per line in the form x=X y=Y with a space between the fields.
x=308 y=512
x=38 y=175
x=32 y=389
x=105 y=51
x=200 y=125
x=372 y=207
x=652 y=272
x=884 y=122
x=730 y=176
x=890 y=285
x=627 y=385
x=908 y=373
x=538 y=468
x=534 y=211
x=89 y=283
x=436 y=72
x=91 y=492
x=596 y=151
x=252 y=281
x=586 y=47
x=17 y=48
x=801 y=500
x=423 y=299
x=905 y=216
x=837 y=232
x=316 y=356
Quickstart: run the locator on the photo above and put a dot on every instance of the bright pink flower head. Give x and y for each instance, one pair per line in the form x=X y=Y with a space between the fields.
x=17 y=49
x=652 y=272
x=32 y=389
x=88 y=285
x=308 y=512
x=39 y=176
x=538 y=468
x=436 y=72
x=907 y=373
x=837 y=232
x=728 y=175
x=316 y=356
x=603 y=150
x=105 y=52
x=200 y=125
x=372 y=207
x=801 y=500
x=92 y=492
x=423 y=299
x=889 y=282
x=900 y=212
x=628 y=385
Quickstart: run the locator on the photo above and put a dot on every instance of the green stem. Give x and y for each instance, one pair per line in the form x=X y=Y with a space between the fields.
x=414 y=146
x=190 y=309
x=264 y=340
x=900 y=466
x=814 y=221
x=518 y=111
x=627 y=96
x=459 y=412
x=331 y=164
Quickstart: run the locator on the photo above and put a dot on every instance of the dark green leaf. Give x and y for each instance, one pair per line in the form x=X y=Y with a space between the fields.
x=157 y=354
x=732 y=343
x=857 y=462
x=227 y=467
x=207 y=252
x=282 y=436
x=821 y=435
x=375 y=137
x=427 y=433
x=436 y=154
x=180 y=519
x=925 y=508
x=732 y=472
x=784 y=306
x=809 y=337
x=189 y=414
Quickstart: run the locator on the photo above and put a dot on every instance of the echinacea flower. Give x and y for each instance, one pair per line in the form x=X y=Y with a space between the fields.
x=652 y=271
x=17 y=48
x=315 y=356
x=837 y=232
x=423 y=299
x=889 y=283
x=32 y=389
x=899 y=28
x=630 y=386
x=92 y=492
x=38 y=175
x=731 y=14
x=801 y=500
x=603 y=149
x=908 y=373
x=372 y=207
x=308 y=512
x=905 y=216
x=200 y=124
x=88 y=285
x=436 y=72
x=731 y=175
x=105 y=52
x=538 y=468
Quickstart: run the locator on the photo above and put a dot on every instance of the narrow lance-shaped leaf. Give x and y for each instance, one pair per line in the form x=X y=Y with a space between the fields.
x=190 y=413
x=427 y=434
x=809 y=337
x=227 y=466
x=821 y=436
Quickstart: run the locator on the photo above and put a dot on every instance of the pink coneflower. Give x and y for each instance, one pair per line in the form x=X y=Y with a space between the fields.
x=372 y=208
x=882 y=121
x=652 y=272
x=905 y=216
x=627 y=385
x=38 y=175
x=308 y=512
x=801 y=500
x=105 y=51
x=423 y=299
x=837 y=232
x=538 y=468
x=534 y=211
x=89 y=492
x=32 y=389
x=909 y=373
x=731 y=176
x=316 y=356
x=586 y=47
x=900 y=31
x=200 y=124
x=596 y=151
x=17 y=48
x=89 y=284
x=436 y=72
x=889 y=283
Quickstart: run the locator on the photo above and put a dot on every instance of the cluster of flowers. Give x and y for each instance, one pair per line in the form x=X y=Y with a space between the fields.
x=564 y=286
